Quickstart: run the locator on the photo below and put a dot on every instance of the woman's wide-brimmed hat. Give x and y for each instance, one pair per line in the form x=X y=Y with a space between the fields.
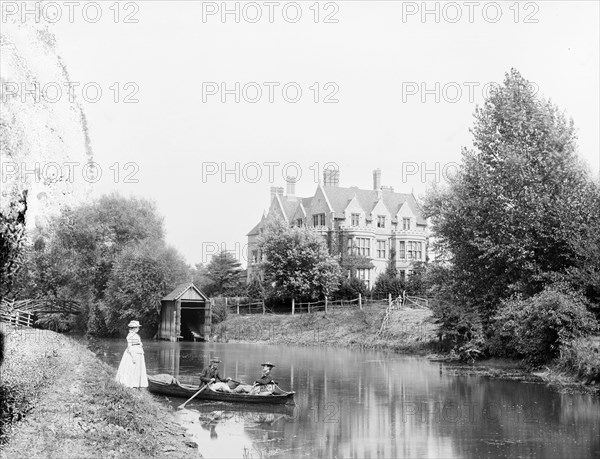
x=134 y=324
x=215 y=360
x=267 y=364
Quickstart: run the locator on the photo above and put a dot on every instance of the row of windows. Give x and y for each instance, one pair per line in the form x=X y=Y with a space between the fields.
x=381 y=221
x=365 y=276
x=319 y=220
x=407 y=250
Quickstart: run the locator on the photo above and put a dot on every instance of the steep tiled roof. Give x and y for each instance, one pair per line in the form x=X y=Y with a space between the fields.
x=306 y=202
x=340 y=197
x=256 y=229
x=289 y=207
x=180 y=290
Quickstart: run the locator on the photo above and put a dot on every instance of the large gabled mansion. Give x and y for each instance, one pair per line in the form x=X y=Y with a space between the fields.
x=353 y=221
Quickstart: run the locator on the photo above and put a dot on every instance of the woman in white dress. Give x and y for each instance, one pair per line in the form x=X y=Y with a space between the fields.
x=132 y=370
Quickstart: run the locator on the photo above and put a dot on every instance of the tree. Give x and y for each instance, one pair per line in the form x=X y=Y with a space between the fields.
x=200 y=276
x=73 y=258
x=255 y=289
x=508 y=220
x=350 y=288
x=386 y=284
x=298 y=264
x=225 y=274
x=416 y=280
x=12 y=241
x=83 y=242
x=141 y=276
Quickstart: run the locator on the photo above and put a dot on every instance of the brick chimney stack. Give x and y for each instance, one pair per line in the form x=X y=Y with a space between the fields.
x=377 y=179
x=290 y=187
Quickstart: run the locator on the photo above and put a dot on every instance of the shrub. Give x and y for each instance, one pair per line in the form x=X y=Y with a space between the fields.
x=460 y=329
x=349 y=289
x=255 y=289
x=581 y=357
x=219 y=312
x=386 y=284
x=536 y=327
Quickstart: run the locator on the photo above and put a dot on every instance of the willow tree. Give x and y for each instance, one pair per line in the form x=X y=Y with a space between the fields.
x=519 y=214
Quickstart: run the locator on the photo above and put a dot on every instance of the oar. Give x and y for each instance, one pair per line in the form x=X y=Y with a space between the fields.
x=183 y=404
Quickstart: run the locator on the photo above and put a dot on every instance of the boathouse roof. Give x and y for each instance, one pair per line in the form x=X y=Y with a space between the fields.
x=181 y=289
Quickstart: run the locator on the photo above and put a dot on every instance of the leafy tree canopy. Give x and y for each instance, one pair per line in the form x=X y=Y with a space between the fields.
x=518 y=214
x=298 y=264
x=141 y=276
x=225 y=275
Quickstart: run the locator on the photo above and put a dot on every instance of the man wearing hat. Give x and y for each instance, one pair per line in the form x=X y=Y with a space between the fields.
x=263 y=385
x=210 y=375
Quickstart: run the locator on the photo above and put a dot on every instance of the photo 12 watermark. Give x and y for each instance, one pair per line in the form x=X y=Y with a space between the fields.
x=470 y=12
x=67 y=171
x=270 y=12
x=69 y=11
x=53 y=92
x=423 y=172
x=467 y=413
x=271 y=92
x=452 y=92
x=267 y=171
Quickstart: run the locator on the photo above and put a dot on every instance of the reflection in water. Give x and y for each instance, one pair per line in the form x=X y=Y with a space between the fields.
x=371 y=404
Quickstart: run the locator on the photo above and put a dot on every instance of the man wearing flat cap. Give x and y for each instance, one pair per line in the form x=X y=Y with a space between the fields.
x=210 y=375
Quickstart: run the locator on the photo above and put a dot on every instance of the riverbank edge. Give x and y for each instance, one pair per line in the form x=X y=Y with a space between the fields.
x=409 y=332
x=67 y=405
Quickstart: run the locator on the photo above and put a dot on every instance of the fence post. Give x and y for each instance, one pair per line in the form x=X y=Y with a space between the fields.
x=389 y=300
x=237 y=305
x=263 y=306
x=360 y=301
x=325 y=305
x=309 y=307
x=293 y=306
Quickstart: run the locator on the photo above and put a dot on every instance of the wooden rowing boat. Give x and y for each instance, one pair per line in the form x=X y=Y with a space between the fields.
x=167 y=385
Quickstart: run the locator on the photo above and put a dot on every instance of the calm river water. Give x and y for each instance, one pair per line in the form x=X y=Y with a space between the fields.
x=355 y=404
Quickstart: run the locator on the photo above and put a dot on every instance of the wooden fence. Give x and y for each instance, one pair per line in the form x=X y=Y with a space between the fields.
x=234 y=306
x=17 y=318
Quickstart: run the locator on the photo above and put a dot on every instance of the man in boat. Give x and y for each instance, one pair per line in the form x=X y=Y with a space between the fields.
x=262 y=386
x=210 y=375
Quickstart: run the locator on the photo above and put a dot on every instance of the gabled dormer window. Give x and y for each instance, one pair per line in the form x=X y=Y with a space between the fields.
x=319 y=220
x=381 y=221
x=406 y=223
x=355 y=219
x=299 y=222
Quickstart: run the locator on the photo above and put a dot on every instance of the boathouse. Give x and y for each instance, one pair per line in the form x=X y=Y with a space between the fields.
x=185 y=314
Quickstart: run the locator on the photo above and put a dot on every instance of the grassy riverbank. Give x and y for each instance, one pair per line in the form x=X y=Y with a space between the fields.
x=60 y=401
x=409 y=330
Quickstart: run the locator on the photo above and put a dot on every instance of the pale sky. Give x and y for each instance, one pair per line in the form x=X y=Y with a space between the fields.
x=375 y=61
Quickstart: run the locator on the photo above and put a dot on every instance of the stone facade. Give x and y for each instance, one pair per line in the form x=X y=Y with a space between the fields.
x=378 y=224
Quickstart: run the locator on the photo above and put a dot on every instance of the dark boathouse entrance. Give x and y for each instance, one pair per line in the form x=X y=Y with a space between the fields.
x=185 y=314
